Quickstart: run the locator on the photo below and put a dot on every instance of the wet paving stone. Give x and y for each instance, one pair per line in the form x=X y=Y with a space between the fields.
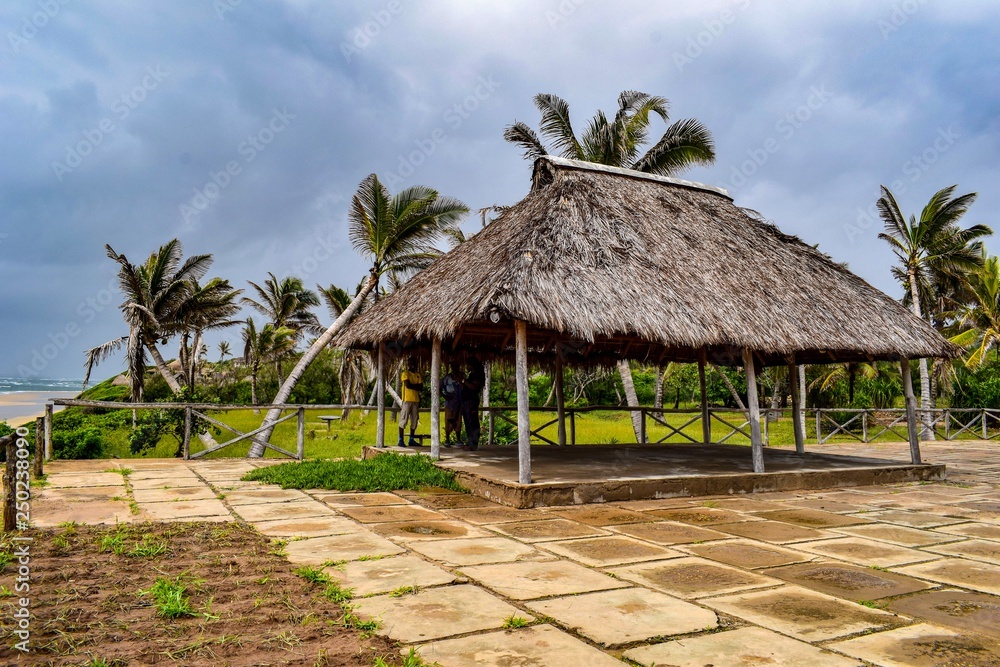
x=364 y=499
x=747 y=504
x=747 y=554
x=391 y=513
x=319 y=550
x=852 y=582
x=866 y=552
x=982 y=577
x=804 y=614
x=988 y=531
x=452 y=501
x=915 y=519
x=923 y=645
x=535 y=646
x=808 y=518
x=294 y=509
x=774 y=531
x=961 y=610
x=264 y=495
x=385 y=575
x=428 y=530
x=317 y=527
x=597 y=515
x=835 y=506
x=496 y=514
x=547 y=530
x=669 y=532
x=899 y=535
x=473 y=551
x=693 y=577
x=703 y=516
x=605 y=551
x=529 y=580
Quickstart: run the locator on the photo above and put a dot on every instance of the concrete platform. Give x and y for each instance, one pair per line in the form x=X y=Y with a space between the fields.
x=613 y=473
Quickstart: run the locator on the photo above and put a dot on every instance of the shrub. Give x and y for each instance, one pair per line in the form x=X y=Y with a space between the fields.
x=81 y=443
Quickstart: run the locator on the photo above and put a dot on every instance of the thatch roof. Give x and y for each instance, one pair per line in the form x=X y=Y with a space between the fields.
x=613 y=263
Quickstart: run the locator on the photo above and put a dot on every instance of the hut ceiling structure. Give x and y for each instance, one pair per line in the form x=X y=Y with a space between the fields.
x=613 y=263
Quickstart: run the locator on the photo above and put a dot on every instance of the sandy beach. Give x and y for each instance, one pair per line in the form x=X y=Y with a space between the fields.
x=20 y=407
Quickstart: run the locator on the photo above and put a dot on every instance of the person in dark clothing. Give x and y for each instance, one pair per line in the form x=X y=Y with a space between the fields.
x=471 y=389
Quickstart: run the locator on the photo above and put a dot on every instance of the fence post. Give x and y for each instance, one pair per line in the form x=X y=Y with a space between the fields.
x=947 y=424
x=9 y=483
x=642 y=427
x=300 y=438
x=572 y=426
x=819 y=429
x=187 y=433
x=39 y=446
x=864 y=426
x=984 y=424
x=48 y=431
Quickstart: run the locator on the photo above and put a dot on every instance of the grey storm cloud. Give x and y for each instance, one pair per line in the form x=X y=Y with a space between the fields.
x=244 y=127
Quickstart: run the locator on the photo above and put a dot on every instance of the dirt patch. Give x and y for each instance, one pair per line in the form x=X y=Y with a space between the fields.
x=966 y=612
x=246 y=606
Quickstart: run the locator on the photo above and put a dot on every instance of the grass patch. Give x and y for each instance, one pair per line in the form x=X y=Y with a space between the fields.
x=871 y=604
x=313 y=575
x=513 y=622
x=169 y=598
x=336 y=593
x=148 y=548
x=387 y=472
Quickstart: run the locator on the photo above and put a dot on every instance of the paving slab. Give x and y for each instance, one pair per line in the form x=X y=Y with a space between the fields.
x=319 y=550
x=616 y=617
x=744 y=647
x=968 y=612
x=59 y=480
x=264 y=495
x=852 y=582
x=474 y=551
x=366 y=499
x=166 y=483
x=748 y=504
x=528 y=580
x=978 y=576
x=829 y=505
x=606 y=551
x=546 y=530
x=536 y=646
x=49 y=513
x=78 y=494
x=866 y=552
x=372 y=577
x=452 y=501
x=808 y=518
x=693 y=577
x=661 y=504
x=185 y=510
x=804 y=614
x=669 y=532
x=602 y=515
x=294 y=509
x=923 y=645
x=915 y=519
x=747 y=554
x=903 y=536
x=434 y=613
x=986 y=531
x=316 y=527
x=988 y=510
x=167 y=495
x=496 y=514
x=774 y=531
x=391 y=513
x=981 y=550
x=428 y=530
x=703 y=516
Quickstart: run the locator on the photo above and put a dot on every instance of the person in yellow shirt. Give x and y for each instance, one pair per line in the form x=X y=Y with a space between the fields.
x=413 y=383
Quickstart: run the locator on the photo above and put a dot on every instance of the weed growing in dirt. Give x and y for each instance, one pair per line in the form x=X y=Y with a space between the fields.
x=411 y=659
x=169 y=598
x=313 y=575
x=334 y=592
x=387 y=472
x=514 y=622
x=148 y=548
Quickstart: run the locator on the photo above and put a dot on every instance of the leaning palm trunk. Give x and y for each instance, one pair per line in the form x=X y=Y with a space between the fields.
x=175 y=386
x=927 y=430
x=658 y=396
x=285 y=390
x=625 y=371
x=732 y=389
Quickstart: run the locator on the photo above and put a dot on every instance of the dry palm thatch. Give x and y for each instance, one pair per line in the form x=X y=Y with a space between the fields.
x=613 y=263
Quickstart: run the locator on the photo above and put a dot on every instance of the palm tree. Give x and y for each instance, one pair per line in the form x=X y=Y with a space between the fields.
x=834 y=373
x=397 y=233
x=262 y=346
x=619 y=143
x=224 y=350
x=208 y=307
x=980 y=320
x=286 y=303
x=934 y=244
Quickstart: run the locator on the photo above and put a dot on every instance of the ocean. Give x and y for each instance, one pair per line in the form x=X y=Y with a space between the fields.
x=24 y=399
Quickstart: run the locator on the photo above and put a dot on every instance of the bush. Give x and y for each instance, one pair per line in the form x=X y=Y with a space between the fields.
x=81 y=443
x=980 y=389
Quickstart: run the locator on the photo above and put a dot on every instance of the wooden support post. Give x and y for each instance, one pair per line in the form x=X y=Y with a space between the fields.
x=572 y=427
x=523 y=423
x=48 y=431
x=39 y=446
x=186 y=444
x=9 y=442
x=706 y=417
x=802 y=399
x=642 y=426
x=436 y=399
x=798 y=425
x=560 y=396
x=864 y=426
x=380 y=397
x=490 y=419
x=753 y=406
x=300 y=435
x=912 y=428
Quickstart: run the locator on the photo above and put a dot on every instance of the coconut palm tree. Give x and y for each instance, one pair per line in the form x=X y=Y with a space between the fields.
x=224 y=350
x=932 y=244
x=834 y=373
x=262 y=346
x=286 y=303
x=396 y=232
x=207 y=307
x=619 y=143
x=980 y=320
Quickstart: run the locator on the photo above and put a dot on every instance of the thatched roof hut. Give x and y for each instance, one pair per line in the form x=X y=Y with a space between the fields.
x=623 y=264
x=598 y=264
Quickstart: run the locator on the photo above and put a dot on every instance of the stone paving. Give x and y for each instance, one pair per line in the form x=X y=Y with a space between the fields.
x=894 y=575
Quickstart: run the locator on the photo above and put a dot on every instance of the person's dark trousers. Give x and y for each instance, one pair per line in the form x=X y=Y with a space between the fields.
x=470 y=414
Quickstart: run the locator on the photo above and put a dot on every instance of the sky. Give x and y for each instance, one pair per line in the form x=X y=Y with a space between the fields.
x=243 y=128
